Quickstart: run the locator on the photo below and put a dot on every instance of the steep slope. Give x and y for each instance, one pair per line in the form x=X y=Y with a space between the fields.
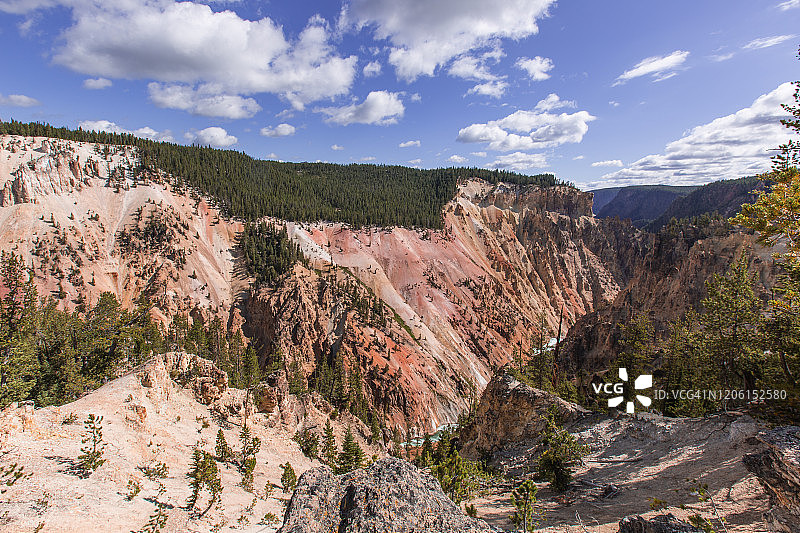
x=641 y=203
x=86 y=223
x=157 y=414
x=453 y=304
x=724 y=197
x=669 y=280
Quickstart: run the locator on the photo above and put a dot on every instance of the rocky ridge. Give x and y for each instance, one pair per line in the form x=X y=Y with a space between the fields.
x=389 y=495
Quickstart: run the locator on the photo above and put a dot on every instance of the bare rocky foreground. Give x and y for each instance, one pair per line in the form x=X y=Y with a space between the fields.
x=149 y=417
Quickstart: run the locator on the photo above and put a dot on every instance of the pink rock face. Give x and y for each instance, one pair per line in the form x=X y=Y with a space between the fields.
x=49 y=174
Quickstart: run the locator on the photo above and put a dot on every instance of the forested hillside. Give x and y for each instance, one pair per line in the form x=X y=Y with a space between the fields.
x=640 y=203
x=248 y=188
x=724 y=197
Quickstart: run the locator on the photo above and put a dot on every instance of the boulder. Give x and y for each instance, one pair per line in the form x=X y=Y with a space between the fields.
x=664 y=523
x=778 y=470
x=390 y=495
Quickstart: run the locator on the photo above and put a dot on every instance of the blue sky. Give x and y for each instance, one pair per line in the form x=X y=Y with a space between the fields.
x=601 y=93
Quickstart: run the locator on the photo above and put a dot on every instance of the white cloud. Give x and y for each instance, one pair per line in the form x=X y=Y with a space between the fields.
x=608 y=163
x=529 y=130
x=97 y=83
x=416 y=97
x=613 y=103
x=336 y=147
x=519 y=162
x=478 y=154
x=788 y=4
x=721 y=57
x=470 y=68
x=190 y=44
x=537 y=67
x=281 y=130
x=367 y=159
x=408 y=144
x=552 y=101
x=659 y=67
x=373 y=68
x=578 y=157
x=379 y=107
x=766 y=42
x=213 y=136
x=111 y=127
x=732 y=146
x=18 y=100
x=415 y=161
x=495 y=89
x=424 y=35
x=205 y=101
x=457 y=159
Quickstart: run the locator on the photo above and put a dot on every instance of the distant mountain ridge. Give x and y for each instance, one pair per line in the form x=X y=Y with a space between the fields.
x=724 y=197
x=640 y=203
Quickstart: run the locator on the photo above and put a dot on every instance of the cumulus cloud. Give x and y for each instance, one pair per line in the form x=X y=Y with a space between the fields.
x=336 y=147
x=373 y=68
x=732 y=146
x=608 y=163
x=205 y=101
x=213 y=136
x=111 y=127
x=529 y=130
x=470 y=68
x=658 y=67
x=766 y=42
x=281 y=130
x=425 y=35
x=519 y=162
x=495 y=89
x=96 y=83
x=578 y=157
x=478 y=154
x=415 y=161
x=537 y=67
x=18 y=100
x=408 y=144
x=457 y=159
x=553 y=101
x=379 y=107
x=188 y=43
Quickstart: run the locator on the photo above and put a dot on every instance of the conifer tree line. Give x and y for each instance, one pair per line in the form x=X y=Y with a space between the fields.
x=250 y=189
x=268 y=252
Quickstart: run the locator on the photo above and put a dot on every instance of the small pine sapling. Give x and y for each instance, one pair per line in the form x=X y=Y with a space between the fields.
x=91 y=457
x=204 y=474
x=523 y=498
x=288 y=478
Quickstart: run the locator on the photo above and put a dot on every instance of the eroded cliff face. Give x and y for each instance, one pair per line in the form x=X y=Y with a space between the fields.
x=456 y=303
x=425 y=316
x=667 y=279
x=88 y=223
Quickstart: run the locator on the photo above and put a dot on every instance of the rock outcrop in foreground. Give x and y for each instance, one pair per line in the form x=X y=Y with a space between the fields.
x=665 y=523
x=391 y=495
x=778 y=470
x=510 y=412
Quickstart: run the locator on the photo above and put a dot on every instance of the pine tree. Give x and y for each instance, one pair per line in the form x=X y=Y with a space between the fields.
x=352 y=456
x=91 y=457
x=247 y=463
x=222 y=449
x=204 y=474
x=18 y=317
x=288 y=478
x=329 y=456
x=523 y=498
